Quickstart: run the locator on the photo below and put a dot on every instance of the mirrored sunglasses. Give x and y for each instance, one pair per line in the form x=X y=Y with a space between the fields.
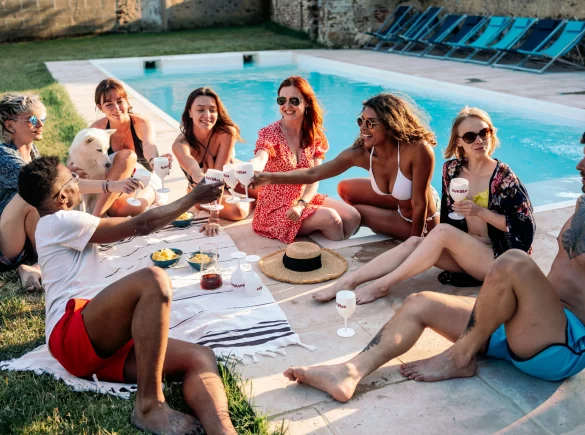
x=369 y=123
x=470 y=136
x=292 y=100
x=33 y=120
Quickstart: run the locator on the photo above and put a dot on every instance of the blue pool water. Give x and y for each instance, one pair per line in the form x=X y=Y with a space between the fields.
x=541 y=149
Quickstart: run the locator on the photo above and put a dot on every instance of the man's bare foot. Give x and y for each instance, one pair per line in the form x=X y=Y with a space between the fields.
x=163 y=420
x=329 y=293
x=446 y=365
x=370 y=293
x=339 y=381
x=30 y=277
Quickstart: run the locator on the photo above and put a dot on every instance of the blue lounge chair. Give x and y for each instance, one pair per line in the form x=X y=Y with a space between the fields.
x=393 y=36
x=567 y=40
x=435 y=34
x=469 y=26
x=419 y=27
x=495 y=27
x=392 y=23
x=541 y=34
x=514 y=34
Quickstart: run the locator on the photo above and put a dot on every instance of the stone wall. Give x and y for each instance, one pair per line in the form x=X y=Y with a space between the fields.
x=341 y=23
x=26 y=19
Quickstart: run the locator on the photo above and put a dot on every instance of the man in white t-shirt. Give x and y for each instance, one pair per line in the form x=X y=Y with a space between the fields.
x=120 y=332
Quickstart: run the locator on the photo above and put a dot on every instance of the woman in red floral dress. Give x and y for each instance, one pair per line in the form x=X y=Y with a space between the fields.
x=297 y=141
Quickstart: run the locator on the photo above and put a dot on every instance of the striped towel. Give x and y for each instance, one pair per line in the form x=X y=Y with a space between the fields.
x=234 y=325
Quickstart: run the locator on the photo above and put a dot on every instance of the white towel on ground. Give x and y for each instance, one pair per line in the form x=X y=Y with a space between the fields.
x=231 y=323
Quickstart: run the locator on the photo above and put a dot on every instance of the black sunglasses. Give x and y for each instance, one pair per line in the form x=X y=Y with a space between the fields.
x=293 y=100
x=369 y=123
x=74 y=177
x=470 y=136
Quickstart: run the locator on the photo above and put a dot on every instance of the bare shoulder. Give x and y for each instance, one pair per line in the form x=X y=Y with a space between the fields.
x=356 y=156
x=181 y=140
x=139 y=120
x=100 y=123
x=420 y=152
x=573 y=238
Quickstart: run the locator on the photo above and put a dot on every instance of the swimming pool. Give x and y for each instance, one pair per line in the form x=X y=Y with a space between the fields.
x=541 y=148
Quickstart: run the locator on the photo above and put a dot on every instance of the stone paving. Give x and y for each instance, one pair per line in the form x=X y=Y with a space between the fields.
x=498 y=399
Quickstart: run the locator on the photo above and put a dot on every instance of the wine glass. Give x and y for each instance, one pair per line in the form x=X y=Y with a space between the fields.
x=213 y=176
x=245 y=173
x=229 y=176
x=458 y=190
x=237 y=280
x=143 y=175
x=345 y=304
x=210 y=272
x=162 y=167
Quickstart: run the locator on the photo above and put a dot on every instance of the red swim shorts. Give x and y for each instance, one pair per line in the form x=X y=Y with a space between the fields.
x=71 y=346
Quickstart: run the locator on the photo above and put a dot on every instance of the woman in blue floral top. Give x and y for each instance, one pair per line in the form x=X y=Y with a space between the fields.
x=497 y=211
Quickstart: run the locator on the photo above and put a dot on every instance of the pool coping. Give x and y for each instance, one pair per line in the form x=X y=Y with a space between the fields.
x=235 y=60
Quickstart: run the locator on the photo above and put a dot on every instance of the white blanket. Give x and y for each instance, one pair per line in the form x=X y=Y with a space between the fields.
x=231 y=323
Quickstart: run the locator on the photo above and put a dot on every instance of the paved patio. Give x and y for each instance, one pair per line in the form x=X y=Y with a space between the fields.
x=498 y=399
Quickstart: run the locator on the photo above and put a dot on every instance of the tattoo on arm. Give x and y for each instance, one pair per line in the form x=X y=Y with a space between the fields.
x=573 y=238
x=375 y=341
x=472 y=321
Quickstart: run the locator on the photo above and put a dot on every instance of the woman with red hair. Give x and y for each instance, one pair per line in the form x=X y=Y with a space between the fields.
x=297 y=141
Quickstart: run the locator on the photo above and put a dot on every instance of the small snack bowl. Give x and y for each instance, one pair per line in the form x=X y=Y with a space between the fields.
x=184 y=220
x=161 y=259
x=196 y=258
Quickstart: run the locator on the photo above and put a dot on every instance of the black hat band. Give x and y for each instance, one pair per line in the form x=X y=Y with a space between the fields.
x=302 y=264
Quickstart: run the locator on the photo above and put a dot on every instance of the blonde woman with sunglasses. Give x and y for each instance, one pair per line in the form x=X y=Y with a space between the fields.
x=22 y=120
x=498 y=217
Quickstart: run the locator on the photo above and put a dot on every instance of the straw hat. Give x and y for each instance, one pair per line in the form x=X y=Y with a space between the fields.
x=303 y=263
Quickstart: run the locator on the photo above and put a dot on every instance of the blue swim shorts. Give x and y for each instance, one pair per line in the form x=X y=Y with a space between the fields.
x=555 y=362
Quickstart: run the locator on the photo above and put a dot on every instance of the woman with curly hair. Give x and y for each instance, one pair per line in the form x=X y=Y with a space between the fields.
x=498 y=217
x=297 y=141
x=396 y=147
x=207 y=139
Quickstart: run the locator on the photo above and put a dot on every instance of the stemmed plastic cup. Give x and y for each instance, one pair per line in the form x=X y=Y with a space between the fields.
x=245 y=173
x=213 y=176
x=458 y=190
x=143 y=176
x=162 y=167
x=229 y=176
x=345 y=304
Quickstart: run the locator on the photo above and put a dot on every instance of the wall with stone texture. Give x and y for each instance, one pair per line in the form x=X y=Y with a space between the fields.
x=342 y=23
x=26 y=19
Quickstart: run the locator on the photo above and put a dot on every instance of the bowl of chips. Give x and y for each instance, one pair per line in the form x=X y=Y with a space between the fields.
x=195 y=259
x=166 y=257
x=184 y=220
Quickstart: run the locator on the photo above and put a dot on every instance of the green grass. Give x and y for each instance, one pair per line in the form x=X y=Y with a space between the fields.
x=39 y=404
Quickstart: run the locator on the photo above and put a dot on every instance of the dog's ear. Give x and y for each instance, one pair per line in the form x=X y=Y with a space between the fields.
x=110 y=131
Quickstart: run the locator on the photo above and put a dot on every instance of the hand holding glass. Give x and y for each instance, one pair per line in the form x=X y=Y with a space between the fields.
x=245 y=173
x=229 y=176
x=143 y=176
x=213 y=176
x=162 y=167
x=345 y=304
x=458 y=190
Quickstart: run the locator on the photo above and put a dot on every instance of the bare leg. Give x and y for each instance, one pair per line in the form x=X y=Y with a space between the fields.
x=196 y=367
x=18 y=222
x=138 y=307
x=326 y=220
x=470 y=254
x=445 y=314
x=516 y=293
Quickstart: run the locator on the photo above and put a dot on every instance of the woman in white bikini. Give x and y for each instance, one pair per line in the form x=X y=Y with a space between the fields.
x=395 y=145
x=498 y=217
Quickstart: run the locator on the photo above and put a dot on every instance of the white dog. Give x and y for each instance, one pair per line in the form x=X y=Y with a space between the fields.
x=89 y=152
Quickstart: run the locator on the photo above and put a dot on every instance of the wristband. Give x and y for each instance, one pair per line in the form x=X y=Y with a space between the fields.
x=107 y=187
x=303 y=201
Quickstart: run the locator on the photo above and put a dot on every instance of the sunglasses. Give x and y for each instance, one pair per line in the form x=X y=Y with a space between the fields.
x=292 y=100
x=74 y=178
x=369 y=123
x=33 y=120
x=470 y=136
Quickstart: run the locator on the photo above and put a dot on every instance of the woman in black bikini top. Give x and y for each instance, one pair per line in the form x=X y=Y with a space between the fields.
x=207 y=140
x=137 y=146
